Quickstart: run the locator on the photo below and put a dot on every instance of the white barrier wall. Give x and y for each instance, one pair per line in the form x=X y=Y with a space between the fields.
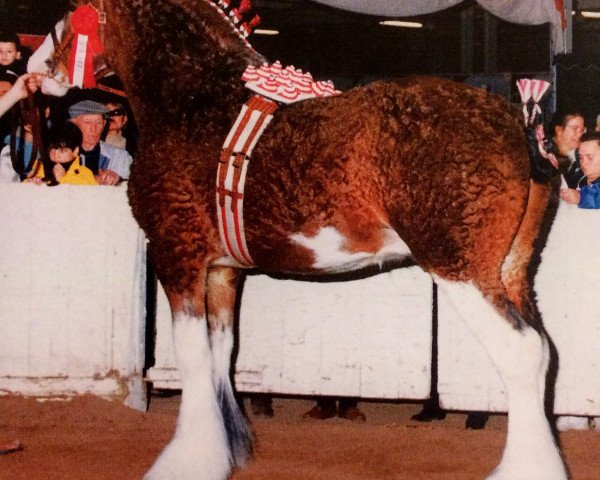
x=72 y=286
x=566 y=286
x=371 y=337
x=72 y=283
x=368 y=337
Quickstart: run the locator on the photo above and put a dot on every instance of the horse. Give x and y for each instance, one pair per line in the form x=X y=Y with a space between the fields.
x=420 y=168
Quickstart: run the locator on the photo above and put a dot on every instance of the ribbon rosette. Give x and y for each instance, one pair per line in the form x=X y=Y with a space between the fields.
x=86 y=45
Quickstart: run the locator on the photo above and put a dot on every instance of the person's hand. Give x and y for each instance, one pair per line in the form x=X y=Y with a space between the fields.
x=35 y=81
x=107 y=177
x=29 y=82
x=36 y=181
x=59 y=172
x=570 y=195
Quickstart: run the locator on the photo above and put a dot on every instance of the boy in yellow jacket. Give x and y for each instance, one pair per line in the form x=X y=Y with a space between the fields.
x=63 y=165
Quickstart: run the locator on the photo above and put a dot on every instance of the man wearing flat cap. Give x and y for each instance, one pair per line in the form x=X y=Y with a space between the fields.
x=109 y=164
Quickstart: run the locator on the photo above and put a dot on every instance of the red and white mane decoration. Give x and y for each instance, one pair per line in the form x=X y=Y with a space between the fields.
x=285 y=85
x=234 y=18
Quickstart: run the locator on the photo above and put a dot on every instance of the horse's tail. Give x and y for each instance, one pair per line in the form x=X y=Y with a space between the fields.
x=527 y=245
x=534 y=228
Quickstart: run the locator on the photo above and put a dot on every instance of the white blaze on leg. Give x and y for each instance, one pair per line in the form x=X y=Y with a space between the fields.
x=521 y=358
x=199 y=447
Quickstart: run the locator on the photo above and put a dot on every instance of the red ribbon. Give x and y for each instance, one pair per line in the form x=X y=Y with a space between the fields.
x=84 y=21
x=559 y=4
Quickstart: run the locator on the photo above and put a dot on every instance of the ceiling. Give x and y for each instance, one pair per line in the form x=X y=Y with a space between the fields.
x=354 y=48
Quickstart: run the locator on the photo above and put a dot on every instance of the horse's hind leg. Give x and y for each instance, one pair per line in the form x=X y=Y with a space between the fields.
x=221 y=297
x=520 y=354
x=199 y=448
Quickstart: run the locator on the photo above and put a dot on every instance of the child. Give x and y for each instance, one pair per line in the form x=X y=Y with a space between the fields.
x=10 y=54
x=63 y=165
x=588 y=196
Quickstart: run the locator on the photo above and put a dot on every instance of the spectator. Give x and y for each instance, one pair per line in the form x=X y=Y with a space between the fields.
x=588 y=195
x=109 y=164
x=567 y=130
x=326 y=408
x=63 y=165
x=10 y=54
x=119 y=133
x=14 y=171
x=8 y=171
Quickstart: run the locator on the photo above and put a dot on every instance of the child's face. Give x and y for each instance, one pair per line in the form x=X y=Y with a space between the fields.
x=63 y=155
x=8 y=53
x=589 y=157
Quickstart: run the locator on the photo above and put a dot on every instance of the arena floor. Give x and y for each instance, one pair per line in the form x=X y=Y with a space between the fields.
x=91 y=439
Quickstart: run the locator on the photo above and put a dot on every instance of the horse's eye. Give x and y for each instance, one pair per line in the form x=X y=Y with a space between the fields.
x=51 y=64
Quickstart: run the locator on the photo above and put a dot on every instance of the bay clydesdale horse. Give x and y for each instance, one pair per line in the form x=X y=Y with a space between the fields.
x=422 y=168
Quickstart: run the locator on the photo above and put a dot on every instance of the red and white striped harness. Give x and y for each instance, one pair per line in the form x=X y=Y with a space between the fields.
x=284 y=85
x=231 y=175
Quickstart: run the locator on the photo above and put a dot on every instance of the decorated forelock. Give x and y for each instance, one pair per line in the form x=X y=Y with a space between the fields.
x=235 y=17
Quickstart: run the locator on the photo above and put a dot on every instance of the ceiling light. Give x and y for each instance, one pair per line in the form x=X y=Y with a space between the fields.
x=264 y=31
x=398 y=23
x=590 y=14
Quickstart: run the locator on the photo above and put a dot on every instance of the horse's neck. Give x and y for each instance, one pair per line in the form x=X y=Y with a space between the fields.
x=180 y=60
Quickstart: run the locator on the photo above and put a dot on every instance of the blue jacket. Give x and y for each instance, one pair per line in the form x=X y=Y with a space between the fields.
x=590 y=195
x=115 y=159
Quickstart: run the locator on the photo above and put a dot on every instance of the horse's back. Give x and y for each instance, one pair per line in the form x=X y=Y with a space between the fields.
x=438 y=162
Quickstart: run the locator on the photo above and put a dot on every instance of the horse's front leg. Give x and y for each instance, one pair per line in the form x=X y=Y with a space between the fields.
x=199 y=448
x=220 y=299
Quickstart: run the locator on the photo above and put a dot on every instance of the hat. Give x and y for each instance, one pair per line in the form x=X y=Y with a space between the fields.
x=87 y=107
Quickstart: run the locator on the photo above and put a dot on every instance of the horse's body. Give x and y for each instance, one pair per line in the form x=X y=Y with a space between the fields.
x=423 y=168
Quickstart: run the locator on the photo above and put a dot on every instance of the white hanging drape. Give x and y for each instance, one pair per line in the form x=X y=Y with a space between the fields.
x=528 y=12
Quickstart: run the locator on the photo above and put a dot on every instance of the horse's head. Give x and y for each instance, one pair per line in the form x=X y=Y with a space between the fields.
x=71 y=55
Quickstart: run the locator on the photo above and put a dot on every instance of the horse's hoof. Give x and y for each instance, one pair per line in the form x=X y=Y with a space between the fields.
x=529 y=472
x=186 y=460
